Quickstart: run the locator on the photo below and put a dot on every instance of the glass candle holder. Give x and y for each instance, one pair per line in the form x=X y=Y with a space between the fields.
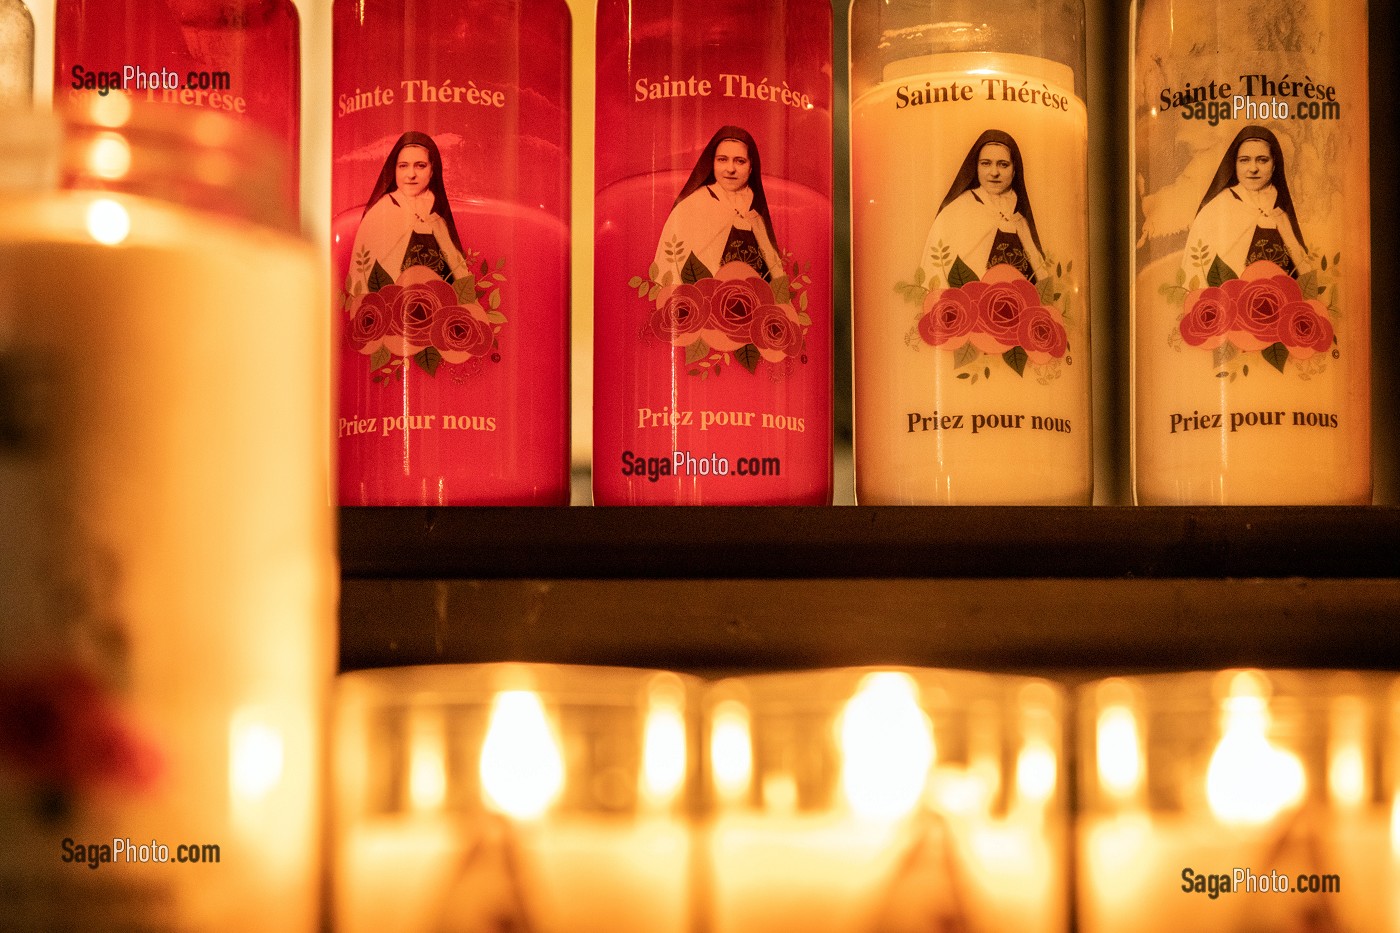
x=479 y=798
x=1251 y=293
x=1238 y=801
x=969 y=253
x=167 y=591
x=882 y=801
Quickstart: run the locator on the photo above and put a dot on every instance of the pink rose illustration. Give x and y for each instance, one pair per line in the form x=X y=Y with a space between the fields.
x=369 y=322
x=1042 y=335
x=776 y=332
x=732 y=307
x=461 y=332
x=1257 y=297
x=1209 y=317
x=681 y=310
x=949 y=314
x=1005 y=297
x=413 y=310
x=1304 y=328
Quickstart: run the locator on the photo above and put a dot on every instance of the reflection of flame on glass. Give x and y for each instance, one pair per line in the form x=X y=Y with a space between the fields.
x=887 y=749
x=109 y=156
x=108 y=222
x=255 y=757
x=1347 y=782
x=1037 y=763
x=1251 y=780
x=1117 y=741
x=427 y=760
x=731 y=750
x=664 y=745
x=522 y=769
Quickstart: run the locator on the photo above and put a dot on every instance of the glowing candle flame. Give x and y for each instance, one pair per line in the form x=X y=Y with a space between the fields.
x=427 y=761
x=1348 y=783
x=731 y=750
x=664 y=752
x=1119 y=752
x=1251 y=780
x=1036 y=771
x=522 y=768
x=887 y=747
x=108 y=222
x=256 y=758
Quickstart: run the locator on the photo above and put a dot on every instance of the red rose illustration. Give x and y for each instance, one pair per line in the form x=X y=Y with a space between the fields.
x=369 y=322
x=776 y=332
x=1041 y=335
x=412 y=310
x=732 y=307
x=681 y=311
x=1257 y=297
x=1209 y=317
x=1005 y=297
x=1304 y=328
x=949 y=314
x=461 y=332
x=60 y=727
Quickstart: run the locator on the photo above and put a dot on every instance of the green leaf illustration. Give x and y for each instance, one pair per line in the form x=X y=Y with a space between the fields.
x=1180 y=276
x=1308 y=284
x=919 y=276
x=379 y=359
x=634 y=281
x=804 y=319
x=748 y=357
x=1224 y=354
x=501 y=263
x=1045 y=288
x=782 y=290
x=495 y=300
x=1275 y=355
x=495 y=317
x=960 y=274
x=653 y=292
x=378 y=278
x=802 y=302
x=964 y=355
x=1016 y=358
x=694 y=270
x=1324 y=265
x=1059 y=270
x=697 y=351
x=428 y=360
x=642 y=290
x=465 y=288
x=653 y=271
x=1219 y=273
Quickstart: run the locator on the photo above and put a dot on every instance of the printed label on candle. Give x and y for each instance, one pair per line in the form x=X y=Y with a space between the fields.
x=1251 y=328
x=451 y=243
x=969 y=238
x=714 y=263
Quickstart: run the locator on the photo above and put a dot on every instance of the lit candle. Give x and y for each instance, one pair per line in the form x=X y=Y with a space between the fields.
x=839 y=810
x=551 y=799
x=1180 y=812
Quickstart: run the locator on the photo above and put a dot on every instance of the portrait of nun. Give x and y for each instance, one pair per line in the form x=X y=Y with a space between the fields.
x=986 y=218
x=721 y=214
x=1247 y=213
x=407 y=221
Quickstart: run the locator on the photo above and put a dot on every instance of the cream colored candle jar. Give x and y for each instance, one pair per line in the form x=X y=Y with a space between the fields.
x=519 y=797
x=1238 y=801
x=885 y=801
x=167 y=574
x=969 y=239
x=1251 y=300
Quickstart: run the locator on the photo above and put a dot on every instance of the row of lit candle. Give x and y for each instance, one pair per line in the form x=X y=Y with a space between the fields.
x=581 y=799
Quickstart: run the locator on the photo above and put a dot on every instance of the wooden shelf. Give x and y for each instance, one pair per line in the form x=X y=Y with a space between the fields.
x=1031 y=589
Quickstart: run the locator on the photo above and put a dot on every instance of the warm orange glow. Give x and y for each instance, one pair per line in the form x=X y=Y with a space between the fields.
x=731 y=750
x=887 y=748
x=522 y=768
x=1250 y=780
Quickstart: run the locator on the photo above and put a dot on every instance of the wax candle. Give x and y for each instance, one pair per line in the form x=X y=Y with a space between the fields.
x=16 y=53
x=478 y=798
x=969 y=254
x=713 y=263
x=240 y=58
x=1238 y=801
x=450 y=243
x=1251 y=305
x=167 y=603
x=859 y=801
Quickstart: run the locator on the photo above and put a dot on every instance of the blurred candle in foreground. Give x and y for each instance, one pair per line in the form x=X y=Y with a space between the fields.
x=559 y=803
x=16 y=54
x=167 y=591
x=866 y=801
x=1238 y=801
